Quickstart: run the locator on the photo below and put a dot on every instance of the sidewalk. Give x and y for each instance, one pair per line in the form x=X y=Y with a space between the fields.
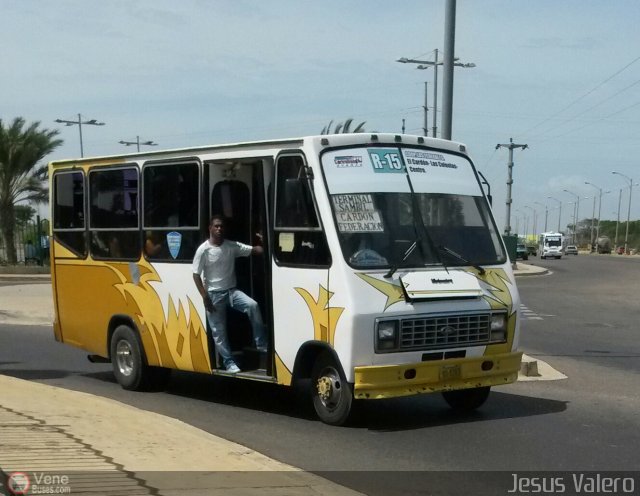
x=105 y=445
x=113 y=448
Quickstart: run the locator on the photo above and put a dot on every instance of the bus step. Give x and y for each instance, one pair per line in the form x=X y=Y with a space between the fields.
x=253 y=359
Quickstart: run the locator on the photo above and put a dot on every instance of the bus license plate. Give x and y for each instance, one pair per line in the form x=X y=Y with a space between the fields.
x=448 y=372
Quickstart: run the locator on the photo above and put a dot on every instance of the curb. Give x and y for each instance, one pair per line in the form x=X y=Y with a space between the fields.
x=533 y=369
x=529 y=270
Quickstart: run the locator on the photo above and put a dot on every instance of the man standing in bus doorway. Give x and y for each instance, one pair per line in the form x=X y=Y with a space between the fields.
x=215 y=277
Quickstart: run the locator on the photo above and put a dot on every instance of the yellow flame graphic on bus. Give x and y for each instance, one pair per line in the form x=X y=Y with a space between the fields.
x=325 y=318
x=393 y=292
x=495 y=286
x=494 y=283
x=179 y=343
x=169 y=338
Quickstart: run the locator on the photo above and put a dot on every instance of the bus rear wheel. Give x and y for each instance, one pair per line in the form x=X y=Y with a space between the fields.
x=467 y=399
x=332 y=394
x=129 y=364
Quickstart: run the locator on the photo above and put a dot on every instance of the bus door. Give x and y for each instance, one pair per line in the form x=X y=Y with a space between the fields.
x=237 y=192
x=301 y=261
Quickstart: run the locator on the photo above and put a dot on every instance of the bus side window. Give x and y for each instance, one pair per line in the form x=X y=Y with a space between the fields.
x=170 y=211
x=299 y=239
x=68 y=211
x=113 y=214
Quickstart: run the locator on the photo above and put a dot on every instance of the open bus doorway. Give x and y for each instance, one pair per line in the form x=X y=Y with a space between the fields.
x=237 y=192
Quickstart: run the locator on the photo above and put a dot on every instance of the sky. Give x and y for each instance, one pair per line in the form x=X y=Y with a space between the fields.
x=562 y=76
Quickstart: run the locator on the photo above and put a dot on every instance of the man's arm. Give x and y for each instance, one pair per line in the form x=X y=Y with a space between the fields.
x=257 y=249
x=208 y=304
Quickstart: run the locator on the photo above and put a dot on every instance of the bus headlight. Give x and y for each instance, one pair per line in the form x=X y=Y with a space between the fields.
x=498 y=328
x=387 y=335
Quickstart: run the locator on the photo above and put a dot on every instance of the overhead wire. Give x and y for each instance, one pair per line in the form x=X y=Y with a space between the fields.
x=580 y=98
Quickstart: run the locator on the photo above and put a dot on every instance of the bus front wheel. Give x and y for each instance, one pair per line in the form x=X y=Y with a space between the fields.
x=129 y=367
x=332 y=394
x=467 y=399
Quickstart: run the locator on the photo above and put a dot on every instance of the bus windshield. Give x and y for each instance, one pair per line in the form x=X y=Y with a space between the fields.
x=377 y=230
x=555 y=241
x=401 y=206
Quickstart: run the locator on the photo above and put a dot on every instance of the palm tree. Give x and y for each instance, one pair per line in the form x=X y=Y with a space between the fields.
x=343 y=128
x=21 y=178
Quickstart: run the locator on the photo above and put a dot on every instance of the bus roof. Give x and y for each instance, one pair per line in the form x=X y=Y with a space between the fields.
x=318 y=141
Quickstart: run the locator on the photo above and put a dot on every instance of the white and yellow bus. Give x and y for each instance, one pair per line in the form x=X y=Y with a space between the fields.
x=383 y=273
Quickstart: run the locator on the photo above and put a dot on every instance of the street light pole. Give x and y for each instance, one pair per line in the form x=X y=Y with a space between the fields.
x=425 y=129
x=138 y=143
x=546 y=214
x=434 y=128
x=525 y=218
x=593 y=219
x=615 y=243
x=559 y=209
x=575 y=213
x=599 y=206
x=511 y=145
x=425 y=64
x=626 y=236
x=535 y=221
x=79 y=123
x=447 y=79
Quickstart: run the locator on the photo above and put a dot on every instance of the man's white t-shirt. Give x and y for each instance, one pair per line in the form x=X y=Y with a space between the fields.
x=217 y=263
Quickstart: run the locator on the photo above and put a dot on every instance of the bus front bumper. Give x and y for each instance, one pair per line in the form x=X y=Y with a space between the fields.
x=389 y=381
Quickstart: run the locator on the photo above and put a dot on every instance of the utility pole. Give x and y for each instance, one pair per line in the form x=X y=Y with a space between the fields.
x=511 y=145
x=138 y=143
x=79 y=123
x=447 y=78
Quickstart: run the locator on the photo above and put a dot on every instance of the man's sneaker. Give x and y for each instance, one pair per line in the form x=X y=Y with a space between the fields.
x=232 y=368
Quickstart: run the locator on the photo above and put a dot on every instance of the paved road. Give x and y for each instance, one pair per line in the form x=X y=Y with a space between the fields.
x=588 y=309
x=587 y=422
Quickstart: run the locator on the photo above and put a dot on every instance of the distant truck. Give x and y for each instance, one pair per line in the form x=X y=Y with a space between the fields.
x=603 y=244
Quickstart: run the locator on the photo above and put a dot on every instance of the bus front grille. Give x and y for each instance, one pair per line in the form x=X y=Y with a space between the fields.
x=448 y=331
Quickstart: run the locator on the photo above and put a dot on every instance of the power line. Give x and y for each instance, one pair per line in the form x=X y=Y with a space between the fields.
x=591 y=108
x=581 y=97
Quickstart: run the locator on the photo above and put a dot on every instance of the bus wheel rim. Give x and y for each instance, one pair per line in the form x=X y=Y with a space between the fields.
x=329 y=388
x=124 y=358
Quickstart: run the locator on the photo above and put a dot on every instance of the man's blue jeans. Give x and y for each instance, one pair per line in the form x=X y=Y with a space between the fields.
x=217 y=319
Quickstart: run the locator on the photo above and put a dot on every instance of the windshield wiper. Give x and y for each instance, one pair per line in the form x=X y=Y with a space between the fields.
x=394 y=267
x=449 y=251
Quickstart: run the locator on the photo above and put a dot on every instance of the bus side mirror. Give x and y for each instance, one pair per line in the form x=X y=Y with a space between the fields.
x=490 y=198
